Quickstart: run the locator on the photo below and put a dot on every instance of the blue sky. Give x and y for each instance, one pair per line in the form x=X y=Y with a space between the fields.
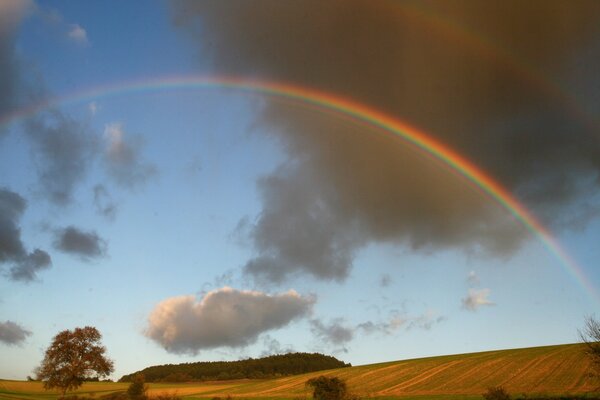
x=210 y=224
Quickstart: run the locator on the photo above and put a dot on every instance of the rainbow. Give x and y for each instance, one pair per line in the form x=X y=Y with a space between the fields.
x=344 y=106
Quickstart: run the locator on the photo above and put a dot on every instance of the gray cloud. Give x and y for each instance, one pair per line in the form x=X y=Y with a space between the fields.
x=104 y=203
x=123 y=158
x=222 y=318
x=350 y=185
x=12 y=249
x=63 y=151
x=335 y=332
x=27 y=267
x=476 y=298
x=12 y=334
x=12 y=13
x=272 y=346
x=86 y=245
x=385 y=280
x=398 y=320
x=473 y=279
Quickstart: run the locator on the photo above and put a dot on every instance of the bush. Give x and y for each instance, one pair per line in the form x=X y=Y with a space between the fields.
x=137 y=389
x=326 y=388
x=496 y=393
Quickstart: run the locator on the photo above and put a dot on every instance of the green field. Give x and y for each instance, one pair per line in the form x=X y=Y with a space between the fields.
x=550 y=370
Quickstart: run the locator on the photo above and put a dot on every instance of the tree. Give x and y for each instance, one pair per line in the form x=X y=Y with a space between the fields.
x=591 y=337
x=73 y=357
x=326 y=388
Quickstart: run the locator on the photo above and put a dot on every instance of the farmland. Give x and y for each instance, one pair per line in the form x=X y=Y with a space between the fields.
x=558 y=369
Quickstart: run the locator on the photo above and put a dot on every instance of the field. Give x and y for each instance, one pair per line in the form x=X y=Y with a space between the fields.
x=537 y=370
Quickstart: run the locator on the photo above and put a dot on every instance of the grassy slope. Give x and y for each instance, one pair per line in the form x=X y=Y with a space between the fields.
x=549 y=369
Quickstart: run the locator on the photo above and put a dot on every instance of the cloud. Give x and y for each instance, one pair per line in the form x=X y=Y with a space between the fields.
x=272 y=346
x=222 y=318
x=385 y=280
x=93 y=108
x=78 y=35
x=12 y=249
x=12 y=12
x=397 y=320
x=104 y=203
x=334 y=332
x=473 y=278
x=12 y=334
x=353 y=186
x=27 y=267
x=86 y=245
x=123 y=158
x=63 y=152
x=476 y=299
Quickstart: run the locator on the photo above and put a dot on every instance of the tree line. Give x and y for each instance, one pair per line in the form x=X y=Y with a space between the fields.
x=266 y=367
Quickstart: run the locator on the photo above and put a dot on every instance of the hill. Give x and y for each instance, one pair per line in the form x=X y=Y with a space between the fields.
x=551 y=370
x=260 y=368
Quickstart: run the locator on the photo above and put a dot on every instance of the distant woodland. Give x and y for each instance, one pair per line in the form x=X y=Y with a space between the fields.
x=267 y=367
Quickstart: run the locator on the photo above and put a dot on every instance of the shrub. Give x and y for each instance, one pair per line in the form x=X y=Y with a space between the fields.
x=496 y=393
x=326 y=388
x=137 y=389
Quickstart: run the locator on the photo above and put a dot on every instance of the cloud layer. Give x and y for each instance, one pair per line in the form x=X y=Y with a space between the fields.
x=222 y=318
x=12 y=334
x=345 y=186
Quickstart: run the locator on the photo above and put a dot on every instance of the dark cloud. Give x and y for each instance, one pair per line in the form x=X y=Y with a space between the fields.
x=104 y=203
x=12 y=334
x=86 y=245
x=63 y=151
x=222 y=318
x=344 y=185
x=123 y=158
x=12 y=249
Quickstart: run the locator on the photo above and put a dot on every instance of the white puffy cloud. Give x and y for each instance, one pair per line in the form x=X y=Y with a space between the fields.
x=476 y=298
x=224 y=317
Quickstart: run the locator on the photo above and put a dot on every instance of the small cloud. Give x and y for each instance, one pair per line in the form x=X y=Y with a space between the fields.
x=273 y=346
x=12 y=249
x=473 y=278
x=26 y=269
x=335 y=332
x=64 y=149
x=476 y=298
x=123 y=158
x=12 y=334
x=385 y=280
x=224 y=317
x=93 y=108
x=397 y=320
x=104 y=203
x=78 y=35
x=86 y=245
